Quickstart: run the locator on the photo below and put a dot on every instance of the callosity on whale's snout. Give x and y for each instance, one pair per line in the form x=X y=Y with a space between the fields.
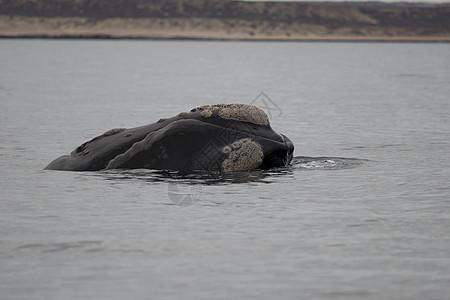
x=222 y=137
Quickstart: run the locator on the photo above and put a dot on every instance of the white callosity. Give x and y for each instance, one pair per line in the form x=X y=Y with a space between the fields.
x=237 y=112
x=243 y=155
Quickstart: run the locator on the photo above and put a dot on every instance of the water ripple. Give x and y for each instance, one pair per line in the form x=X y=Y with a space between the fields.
x=58 y=247
x=326 y=163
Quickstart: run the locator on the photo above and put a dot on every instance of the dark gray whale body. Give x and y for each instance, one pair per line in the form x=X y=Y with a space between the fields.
x=223 y=137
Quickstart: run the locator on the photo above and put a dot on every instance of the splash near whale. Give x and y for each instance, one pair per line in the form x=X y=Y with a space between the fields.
x=222 y=137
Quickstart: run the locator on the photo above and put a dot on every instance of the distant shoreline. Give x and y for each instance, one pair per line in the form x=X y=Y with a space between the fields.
x=133 y=38
x=225 y=20
x=199 y=29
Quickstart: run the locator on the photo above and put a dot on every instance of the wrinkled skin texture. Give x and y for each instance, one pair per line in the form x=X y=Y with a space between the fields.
x=204 y=139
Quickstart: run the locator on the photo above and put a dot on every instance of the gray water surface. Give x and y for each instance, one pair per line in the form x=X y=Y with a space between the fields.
x=362 y=212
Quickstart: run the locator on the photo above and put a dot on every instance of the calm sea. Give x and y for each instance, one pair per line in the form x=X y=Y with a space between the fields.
x=362 y=213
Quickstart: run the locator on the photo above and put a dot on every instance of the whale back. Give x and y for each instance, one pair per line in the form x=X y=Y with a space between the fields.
x=223 y=137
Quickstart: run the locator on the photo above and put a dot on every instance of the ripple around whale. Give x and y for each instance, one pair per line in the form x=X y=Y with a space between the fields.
x=298 y=164
x=325 y=163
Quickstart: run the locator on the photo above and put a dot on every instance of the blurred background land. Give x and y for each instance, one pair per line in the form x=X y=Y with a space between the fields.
x=222 y=19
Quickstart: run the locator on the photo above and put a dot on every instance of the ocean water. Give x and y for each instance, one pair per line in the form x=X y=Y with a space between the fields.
x=361 y=213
